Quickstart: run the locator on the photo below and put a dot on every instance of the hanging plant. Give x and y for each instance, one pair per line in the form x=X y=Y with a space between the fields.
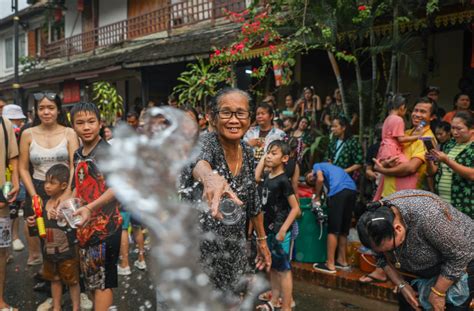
x=107 y=99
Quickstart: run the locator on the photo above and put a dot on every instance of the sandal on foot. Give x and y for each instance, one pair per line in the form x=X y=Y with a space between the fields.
x=323 y=267
x=371 y=279
x=342 y=267
x=278 y=306
x=8 y=308
x=265 y=296
x=266 y=306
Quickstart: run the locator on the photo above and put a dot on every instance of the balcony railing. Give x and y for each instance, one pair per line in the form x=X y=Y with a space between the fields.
x=166 y=18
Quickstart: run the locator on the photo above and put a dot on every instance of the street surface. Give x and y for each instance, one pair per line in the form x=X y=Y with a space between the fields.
x=136 y=292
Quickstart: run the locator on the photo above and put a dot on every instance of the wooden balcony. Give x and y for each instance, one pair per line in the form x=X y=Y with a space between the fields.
x=166 y=18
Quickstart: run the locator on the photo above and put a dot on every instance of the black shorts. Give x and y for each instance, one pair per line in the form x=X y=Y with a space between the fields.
x=99 y=263
x=340 y=208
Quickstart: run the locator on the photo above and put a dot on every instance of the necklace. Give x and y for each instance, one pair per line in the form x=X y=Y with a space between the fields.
x=239 y=161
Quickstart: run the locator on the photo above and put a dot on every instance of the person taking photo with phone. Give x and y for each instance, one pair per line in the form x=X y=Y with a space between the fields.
x=453 y=171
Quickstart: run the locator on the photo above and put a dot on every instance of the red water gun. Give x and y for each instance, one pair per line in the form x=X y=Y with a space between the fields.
x=38 y=209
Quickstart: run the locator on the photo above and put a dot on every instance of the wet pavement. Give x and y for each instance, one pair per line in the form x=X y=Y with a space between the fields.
x=136 y=292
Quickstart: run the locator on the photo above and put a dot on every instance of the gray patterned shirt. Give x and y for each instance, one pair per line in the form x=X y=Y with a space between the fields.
x=439 y=238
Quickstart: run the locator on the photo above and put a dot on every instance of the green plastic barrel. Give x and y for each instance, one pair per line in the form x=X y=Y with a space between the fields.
x=308 y=246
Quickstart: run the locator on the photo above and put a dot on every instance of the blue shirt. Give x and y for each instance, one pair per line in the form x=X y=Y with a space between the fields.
x=335 y=178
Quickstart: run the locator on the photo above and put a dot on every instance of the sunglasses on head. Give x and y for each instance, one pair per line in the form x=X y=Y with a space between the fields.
x=49 y=95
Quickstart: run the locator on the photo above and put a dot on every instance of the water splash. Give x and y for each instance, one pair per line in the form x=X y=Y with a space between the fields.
x=143 y=170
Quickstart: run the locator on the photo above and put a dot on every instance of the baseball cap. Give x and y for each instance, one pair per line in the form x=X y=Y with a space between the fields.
x=13 y=112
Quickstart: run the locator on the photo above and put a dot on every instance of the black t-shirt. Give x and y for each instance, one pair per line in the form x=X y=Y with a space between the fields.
x=275 y=194
x=89 y=183
x=290 y=168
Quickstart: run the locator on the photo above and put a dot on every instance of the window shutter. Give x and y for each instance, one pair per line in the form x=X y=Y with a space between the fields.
x=32 y=43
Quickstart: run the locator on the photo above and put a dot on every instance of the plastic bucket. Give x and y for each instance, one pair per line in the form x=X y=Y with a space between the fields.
x=367 y=262
x=308 y=246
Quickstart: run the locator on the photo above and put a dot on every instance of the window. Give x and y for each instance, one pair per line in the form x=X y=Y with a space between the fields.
x=9 y=53
x=9 y=48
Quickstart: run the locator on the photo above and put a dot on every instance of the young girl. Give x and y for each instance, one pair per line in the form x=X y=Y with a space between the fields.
x=393 y=138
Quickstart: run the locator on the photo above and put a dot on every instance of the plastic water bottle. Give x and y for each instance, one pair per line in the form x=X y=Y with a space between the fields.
x=421 y=125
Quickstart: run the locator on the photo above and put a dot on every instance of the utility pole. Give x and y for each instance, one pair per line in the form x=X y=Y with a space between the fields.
x=16 y=50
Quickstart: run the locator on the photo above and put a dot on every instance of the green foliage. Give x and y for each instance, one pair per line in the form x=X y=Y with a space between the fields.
x=28 y=63
x=107 y=99
x=201 y=81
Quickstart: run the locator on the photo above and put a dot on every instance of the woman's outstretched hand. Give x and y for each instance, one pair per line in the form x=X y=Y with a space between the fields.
x=215 y=188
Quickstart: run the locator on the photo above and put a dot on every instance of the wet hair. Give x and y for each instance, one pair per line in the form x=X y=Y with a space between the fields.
x=376 y=225
x=60 y=172
x=217 y=100
x=427 y=100
x=445 y=126
x=457 y=96
x=62 y=119
x=282 y=145
x=466 y=117
x=267 y=107
x=85 y=107
x=396 y=101
x=346 y=124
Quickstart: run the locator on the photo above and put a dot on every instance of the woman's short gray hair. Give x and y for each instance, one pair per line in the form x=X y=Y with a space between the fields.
x=214 y=104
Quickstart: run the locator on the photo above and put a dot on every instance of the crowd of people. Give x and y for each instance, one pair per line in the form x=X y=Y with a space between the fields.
x=256 y=156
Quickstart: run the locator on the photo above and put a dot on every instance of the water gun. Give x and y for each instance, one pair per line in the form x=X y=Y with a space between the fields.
x=37 y=207
x=7 y=187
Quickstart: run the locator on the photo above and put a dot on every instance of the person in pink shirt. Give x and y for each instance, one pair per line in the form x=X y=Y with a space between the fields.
x=394 y=138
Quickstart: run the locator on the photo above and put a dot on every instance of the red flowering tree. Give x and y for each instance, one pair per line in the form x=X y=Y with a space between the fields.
x=259 y=34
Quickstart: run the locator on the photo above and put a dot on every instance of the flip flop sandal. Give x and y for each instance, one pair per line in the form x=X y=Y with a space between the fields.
x=9 y=308
x=372 y=279
x=293 y=304
x=267 y=306
x=342 y=267
x=323 y=268
x=265 y=296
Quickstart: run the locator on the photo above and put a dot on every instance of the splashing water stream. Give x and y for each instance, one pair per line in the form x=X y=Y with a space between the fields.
x=143 y=170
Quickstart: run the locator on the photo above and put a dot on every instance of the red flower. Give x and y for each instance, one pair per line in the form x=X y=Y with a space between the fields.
x=217 y=53
x=362 y=8
x=254 y=70
x=272 y=48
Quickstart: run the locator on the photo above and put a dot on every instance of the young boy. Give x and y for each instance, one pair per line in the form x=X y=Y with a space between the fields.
x=280 y=208
x=60 y=259
x=100 y=229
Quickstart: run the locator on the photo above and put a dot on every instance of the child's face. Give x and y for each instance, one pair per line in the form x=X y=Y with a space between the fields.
x=442 y=136
x=87 y=126
x=275 y=157
x=54 y=187
x=402 y=110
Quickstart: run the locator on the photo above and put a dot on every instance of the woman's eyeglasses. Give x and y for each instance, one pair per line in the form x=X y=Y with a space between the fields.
x=49 y=95
x=239 y=114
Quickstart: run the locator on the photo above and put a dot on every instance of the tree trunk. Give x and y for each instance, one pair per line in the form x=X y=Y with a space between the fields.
x=337 y=73
x=392 y=80
x=361 y=101
x=373 y=89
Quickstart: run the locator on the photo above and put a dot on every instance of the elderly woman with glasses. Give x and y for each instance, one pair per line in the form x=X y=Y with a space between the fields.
x=420 y=237
x=48 y=142
x=224 y=168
